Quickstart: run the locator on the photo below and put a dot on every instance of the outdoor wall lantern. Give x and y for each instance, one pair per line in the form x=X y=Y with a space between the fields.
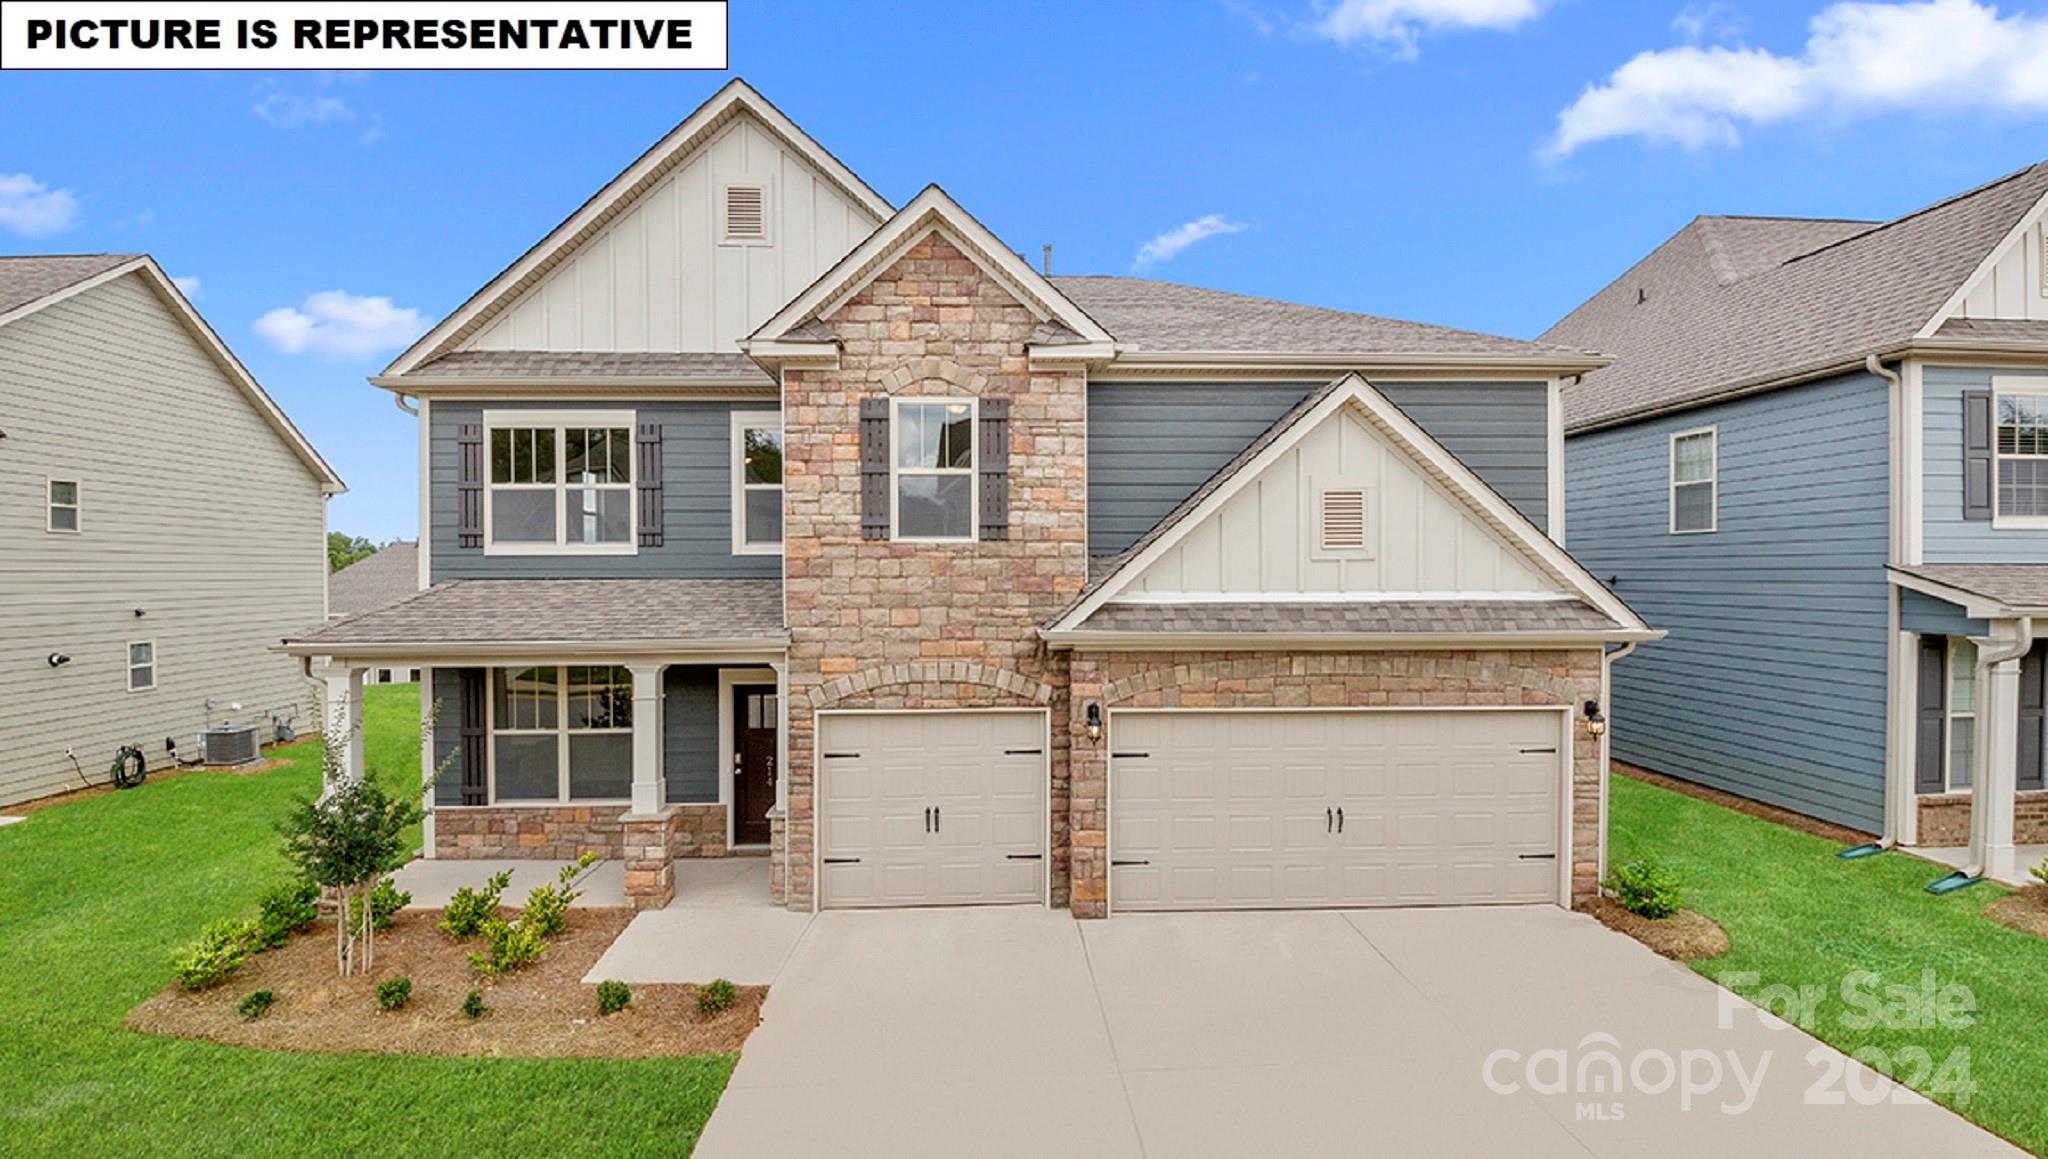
x=1595 y=723
x=1094 y=720
x=58 y=659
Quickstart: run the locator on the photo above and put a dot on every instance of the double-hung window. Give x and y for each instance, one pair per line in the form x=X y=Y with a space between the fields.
x=1695 y=481
x=934 y=479
x=757 y=482
x=562 y=733
x=62 y=513
x=2022 y=456
x=1962 y=711
x=559 y=482
x=141 y=666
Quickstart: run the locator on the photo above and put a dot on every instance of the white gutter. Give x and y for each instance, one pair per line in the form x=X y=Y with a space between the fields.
x=1987 y=659
x=1337 y=641
x=1607 y=660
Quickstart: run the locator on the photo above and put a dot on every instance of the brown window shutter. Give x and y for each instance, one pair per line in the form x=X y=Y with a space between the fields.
x=874 y=467
x=469 y=485
x=647 y=482
x=474 y=738
x=995 y=468
x=1977 y=432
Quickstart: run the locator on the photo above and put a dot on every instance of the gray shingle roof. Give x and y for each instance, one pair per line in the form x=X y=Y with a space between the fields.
x=1732 y=303
x=375 y=581
x=1154 y=317
x=2032 y=333
x=1388 y=617
x=29 y=277
x=2016 y=585
x=556 y=611
x=516 y=364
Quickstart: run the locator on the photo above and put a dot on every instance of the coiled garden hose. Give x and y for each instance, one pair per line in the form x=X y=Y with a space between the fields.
x=130 y=767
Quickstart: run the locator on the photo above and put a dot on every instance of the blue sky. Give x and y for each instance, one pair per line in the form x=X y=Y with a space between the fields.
x=1477 y=163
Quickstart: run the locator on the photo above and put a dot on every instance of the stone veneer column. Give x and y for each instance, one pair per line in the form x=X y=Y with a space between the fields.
x=650 y=866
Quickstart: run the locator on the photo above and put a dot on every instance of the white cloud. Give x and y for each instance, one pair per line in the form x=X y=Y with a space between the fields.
x=1860 y=59
x=290 y=110
x=339 y=324
x=1164 y=247
x=1398 y=25
x=1713 y=20
x=30 y=208
x=188 y=285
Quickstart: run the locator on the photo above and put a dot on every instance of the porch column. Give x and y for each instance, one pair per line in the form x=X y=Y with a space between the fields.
x=1996 y=777
x=427 y=762
x=646 y=738
x=342 y=726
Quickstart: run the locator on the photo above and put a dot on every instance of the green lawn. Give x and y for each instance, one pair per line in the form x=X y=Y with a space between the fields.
x=96 y=895
x=1797 y=916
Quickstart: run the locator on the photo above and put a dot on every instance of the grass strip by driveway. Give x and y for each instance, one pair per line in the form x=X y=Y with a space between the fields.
x=96 y=895
x=1798 y=916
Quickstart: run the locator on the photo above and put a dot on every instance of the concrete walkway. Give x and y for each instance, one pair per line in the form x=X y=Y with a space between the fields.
x=1021 y=1032
x=720 y=925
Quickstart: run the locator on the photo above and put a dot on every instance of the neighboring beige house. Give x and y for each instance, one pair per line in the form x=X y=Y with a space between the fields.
x=377 y=581
x=162 y=526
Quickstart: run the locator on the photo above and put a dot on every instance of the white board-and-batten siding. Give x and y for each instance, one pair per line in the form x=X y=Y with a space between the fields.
x=2015 y=288
x=660 y=278
x=1264 y=539
x=193 y=509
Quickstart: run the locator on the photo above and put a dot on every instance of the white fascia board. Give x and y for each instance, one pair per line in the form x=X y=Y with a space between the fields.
x=1072 y=353
x=1376 y=597
x=679 y=141
x=541 y=651
x=786 y=352
x=1334 y=641
x=2012 y=237
x=1975 y=606
x=931 y=211
x=623 y=385
x=1384 y=363
x=73 y=290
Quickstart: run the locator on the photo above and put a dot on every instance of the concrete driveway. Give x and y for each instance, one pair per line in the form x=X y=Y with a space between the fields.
x=1022 y=1032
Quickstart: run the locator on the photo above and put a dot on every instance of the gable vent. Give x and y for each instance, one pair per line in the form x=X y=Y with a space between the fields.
x=1343 y=524
x=746 y=213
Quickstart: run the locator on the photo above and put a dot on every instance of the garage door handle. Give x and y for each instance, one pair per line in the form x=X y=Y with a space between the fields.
x=840 y=756
x=1026 y=856
x=938 y=822
x=1329 y=821
x=842 y=861
x=1114 y=864
x=1130 y=756
x=1539 y=857
x=1023 y=752
x=927 y=818
x=1340 y=820
x=1551 y=749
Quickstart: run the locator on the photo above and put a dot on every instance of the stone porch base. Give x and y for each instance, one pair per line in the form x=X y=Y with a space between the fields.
x=567 y=832
x=1944 y=819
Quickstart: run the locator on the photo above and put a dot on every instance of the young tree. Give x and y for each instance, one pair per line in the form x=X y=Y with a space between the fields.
x=344 y=549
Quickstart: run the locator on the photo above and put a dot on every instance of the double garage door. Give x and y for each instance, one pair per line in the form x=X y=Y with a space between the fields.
x=1264 y=810
x=1208 y=809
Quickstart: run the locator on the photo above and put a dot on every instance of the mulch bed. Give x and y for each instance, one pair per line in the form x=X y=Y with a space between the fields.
x=1683 y=937
x=1786 y=817
x=2025 y=910
x=542 y=1011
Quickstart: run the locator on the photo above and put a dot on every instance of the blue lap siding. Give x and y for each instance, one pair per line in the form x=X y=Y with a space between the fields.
x=1772 y=681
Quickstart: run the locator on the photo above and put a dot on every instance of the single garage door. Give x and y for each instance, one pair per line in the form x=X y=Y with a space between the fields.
x=1251 y=810
x=931 y=808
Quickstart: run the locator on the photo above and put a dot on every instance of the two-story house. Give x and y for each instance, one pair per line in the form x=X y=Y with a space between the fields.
x=1820 y=459
x=162 y=525
x=759 y=513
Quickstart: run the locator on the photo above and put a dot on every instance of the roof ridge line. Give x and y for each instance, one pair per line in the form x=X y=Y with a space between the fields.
x=1924 y=210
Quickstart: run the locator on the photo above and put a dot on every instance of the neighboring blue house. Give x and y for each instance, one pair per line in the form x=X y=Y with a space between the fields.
x=1820 y=460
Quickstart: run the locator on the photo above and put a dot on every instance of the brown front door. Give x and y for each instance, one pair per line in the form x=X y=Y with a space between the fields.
x=753 y=762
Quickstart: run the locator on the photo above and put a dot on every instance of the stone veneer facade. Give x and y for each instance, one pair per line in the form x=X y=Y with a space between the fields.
x=1945 y=819
x=562 y=833
x=883 y=624
x=1321 y=680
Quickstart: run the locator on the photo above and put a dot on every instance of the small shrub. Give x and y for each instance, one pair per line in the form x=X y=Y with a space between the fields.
x=393 y=993
x=613 y=997
x=715 y=997
x=385 y=900
x=1646 y=887
x=473 y=1006
x=2040 y=871
x=254 y=1003
x=284 y=911
x=510 y=946
x=470 y=908
x=219 y=952
x=547 y=906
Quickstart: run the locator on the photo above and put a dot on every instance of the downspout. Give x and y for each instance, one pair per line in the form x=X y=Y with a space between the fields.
x=398 y=400
x=2023 y=643
x=1889 y=839
x=1607 y=660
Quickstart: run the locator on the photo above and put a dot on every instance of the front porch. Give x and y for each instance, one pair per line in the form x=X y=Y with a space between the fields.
x=1957 y=857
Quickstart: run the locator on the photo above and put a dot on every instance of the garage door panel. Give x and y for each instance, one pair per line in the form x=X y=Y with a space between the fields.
x=885 y=777
x=1438 y=808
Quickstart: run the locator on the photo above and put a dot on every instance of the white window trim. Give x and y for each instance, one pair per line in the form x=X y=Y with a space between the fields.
x=128 y=668
x=742 y=420
x=767 y=187
x=561 y=732
x=973 y=471
x=1713 y=480
x=2001 y=386
x=562 y=421
x=1949 y=716
x=50 y=506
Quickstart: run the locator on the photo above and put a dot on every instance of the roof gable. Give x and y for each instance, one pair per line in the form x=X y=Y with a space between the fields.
x=932 y=211
x=2011 y=284
x=1438 y=484
x=712 y=122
